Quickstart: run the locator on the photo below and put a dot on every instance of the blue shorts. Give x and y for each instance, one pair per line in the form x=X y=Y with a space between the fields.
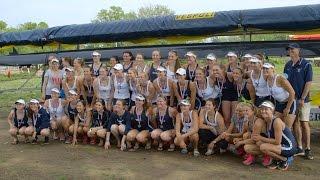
x=280 y=106
x=288 y=152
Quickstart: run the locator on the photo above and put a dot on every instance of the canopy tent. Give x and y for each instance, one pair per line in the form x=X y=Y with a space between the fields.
x=295 y=19
x=270 y=48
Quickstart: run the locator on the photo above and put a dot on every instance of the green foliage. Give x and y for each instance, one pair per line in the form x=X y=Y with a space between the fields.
x=3 y=26
x=113 y=13
x=154 y=10
x=116 y=13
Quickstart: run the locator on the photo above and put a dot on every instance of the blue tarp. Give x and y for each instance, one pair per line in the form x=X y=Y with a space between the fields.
x=295 y=18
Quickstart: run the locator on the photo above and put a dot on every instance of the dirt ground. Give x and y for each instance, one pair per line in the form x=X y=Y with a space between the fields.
x=61 y=161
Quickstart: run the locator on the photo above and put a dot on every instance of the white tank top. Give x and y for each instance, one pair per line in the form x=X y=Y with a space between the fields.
x=213 y=124
x=278 y=93
x=57 y=112
x=121 y=89
x=186 y=125
x=260 y=85
x=104 y=91
x=165 y=91
x=74 y=85
x=171 y=74
x=141 y=69
x=133 y=90
x=209 y=92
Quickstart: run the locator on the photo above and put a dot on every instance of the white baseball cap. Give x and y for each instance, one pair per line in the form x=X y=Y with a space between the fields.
x=185 y=102
x=96 y=53
x=190 y=53
x=267 y=104
x=255 y=60
x=162 y=69
x=21 y=101
x=211 y=57
x=140 y=97
x=231 y=54
x=268 y=65
x=69 y=69
x=55 y=60
x=35 y=101
x=181 y=71
x=118 y=67
x=247 y=56
x=73 y=92
x=56 y=90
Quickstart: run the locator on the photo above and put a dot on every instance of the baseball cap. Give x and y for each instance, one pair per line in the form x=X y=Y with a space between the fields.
x=21 y=101
x=96 y=53
x=255 y=60
x=211 y=56
x=140 y=97
x=56 y=90
x=267 y=104
x=268 y=65
x=247 y=56
x=55 y=60
x=35 y=101
x=190 y=53
x=185 y=102
x=118 y=67
x=231 y=54
x=162 y=69
x=69 y=69
x=181 y=71
x=293 y=46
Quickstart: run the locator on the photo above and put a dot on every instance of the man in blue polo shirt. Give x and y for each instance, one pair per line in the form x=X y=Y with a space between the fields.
x=299 y=73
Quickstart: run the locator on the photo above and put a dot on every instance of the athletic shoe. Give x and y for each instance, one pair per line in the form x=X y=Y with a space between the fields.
x=46 y=140
x=68 y=140
x=196 y=153
x=274 y=164
x=290 y=160
x=184 y=151
x=240 y=151
x=249 y=160
x=308 y=154
x=283 y=165
x=299 y=152
x=267 y=160
x=209 y=152
x=34 y=141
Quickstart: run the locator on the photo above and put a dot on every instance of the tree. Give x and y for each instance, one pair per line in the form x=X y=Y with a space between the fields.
x=112 y=14
x=154 y=10
x=42 y=25
x=3 y=26
x=27 y=26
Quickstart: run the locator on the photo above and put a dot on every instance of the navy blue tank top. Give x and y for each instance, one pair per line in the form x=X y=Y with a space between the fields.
x=71 y=112
x=140 y=122
x=164 y=122
x=153 y=74
x=191 y=74
x=287 y=140
x=125 y=70
x=98 y=119
x=184 y=93
x=18 y=123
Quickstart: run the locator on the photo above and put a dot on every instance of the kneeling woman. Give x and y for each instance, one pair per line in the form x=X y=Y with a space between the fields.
x=211 y=127
x=18 y=121
x=119 y=124
x=280 y=144
x=81 y=122
x=99 y=117
x=140 y=132
x=164 y=124
x=55 y=106
x=40 y=120
x=190 y=126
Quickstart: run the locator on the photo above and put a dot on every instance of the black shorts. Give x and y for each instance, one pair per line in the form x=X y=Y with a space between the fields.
x=206 y=137
x=259 y=100
x=48 y=97
x=280 y=106
x=229 y=97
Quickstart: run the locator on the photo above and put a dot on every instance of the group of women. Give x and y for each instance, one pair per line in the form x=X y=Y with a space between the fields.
x=165 y=105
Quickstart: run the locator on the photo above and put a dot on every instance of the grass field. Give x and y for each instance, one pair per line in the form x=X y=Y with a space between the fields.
x=60 y=161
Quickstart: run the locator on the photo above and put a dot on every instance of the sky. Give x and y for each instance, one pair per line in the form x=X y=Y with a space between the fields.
x=65 y=12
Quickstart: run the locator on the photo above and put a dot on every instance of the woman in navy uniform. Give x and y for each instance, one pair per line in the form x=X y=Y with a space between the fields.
x=119 y=125
x=40 y=119
x=140 y=124
x=100 y=115
x=280 y=143
x=86 y=86
x=18 y=121
x=156 y=63
x=163 y=121
x=191 y=66
x=82 y=122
